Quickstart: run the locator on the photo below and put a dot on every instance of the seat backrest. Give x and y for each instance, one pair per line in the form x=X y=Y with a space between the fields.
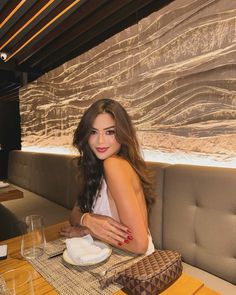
x=19 y=168
x=199 y=217
x=52 y=176
x=155 y=215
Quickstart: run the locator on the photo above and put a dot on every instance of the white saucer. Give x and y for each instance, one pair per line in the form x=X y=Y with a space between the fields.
x=3 y=184
x=94 y=261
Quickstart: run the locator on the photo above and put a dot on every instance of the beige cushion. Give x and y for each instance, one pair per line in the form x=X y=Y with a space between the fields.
x=35 y=204
x=49 y=175
x=155 y=215
x=199 y=217
x=19 y=168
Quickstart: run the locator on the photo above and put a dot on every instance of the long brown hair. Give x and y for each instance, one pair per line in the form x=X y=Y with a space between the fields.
x=92 y=169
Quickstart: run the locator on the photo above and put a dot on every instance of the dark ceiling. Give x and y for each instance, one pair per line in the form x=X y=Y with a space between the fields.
x=39 y=35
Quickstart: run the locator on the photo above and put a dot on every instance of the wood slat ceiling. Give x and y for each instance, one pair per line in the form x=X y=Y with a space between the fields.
x=39 y=35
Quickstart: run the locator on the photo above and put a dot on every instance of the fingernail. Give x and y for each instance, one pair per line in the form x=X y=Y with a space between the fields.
x=130 y=237
x=126 y=241
x=119 y=244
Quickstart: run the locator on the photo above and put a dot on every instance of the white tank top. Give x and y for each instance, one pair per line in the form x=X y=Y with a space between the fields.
x=102 y=206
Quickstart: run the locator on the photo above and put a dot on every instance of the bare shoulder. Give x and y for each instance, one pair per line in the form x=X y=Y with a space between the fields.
x=116 y=162
x=119 y=173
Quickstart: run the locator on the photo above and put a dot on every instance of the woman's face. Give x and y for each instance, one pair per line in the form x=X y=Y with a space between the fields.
x=102 y=139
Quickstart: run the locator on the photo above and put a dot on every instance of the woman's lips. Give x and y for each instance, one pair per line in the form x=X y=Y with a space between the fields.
x=101 y=150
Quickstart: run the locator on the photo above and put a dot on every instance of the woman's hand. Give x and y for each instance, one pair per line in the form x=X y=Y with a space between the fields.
x=70 y=231
x=107 y=229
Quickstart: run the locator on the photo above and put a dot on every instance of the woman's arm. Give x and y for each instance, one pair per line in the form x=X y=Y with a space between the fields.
x=126 y=191
x=75 y=216
x=74 y=229
x=101 y=227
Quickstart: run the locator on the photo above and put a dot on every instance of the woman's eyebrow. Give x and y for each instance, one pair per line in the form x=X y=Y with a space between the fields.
x=104 y=128
x=109 y=127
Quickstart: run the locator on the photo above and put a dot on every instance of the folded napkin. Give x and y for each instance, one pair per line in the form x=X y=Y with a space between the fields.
x=83 y=250
x=3 y=184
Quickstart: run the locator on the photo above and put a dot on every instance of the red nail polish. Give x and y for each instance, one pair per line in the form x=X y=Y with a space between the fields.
x=119 y=244
x=126 y=241
x=130 y=237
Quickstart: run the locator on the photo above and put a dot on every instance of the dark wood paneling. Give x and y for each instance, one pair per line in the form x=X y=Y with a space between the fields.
x=10 y=133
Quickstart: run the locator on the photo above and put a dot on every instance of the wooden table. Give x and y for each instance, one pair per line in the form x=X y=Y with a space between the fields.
x=185 y=285
x=10 y=193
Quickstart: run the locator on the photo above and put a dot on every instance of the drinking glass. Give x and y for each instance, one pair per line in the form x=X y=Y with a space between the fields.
x=16 y=282
x=33 y=238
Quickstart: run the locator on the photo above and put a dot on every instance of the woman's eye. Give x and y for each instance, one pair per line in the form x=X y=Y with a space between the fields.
x=93 y=132
x=110 y=132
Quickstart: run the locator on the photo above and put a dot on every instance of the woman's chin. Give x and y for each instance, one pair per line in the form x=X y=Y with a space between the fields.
x=101 y=156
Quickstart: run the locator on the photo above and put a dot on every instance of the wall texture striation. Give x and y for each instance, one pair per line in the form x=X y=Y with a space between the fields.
x=174 y=71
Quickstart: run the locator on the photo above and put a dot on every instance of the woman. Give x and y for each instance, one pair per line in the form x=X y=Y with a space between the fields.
x=116 y=187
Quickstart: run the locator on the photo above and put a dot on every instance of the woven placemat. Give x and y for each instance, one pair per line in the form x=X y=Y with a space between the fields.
x=74 y=280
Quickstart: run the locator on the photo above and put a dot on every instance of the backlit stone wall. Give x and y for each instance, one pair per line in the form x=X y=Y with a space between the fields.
x=174 y=72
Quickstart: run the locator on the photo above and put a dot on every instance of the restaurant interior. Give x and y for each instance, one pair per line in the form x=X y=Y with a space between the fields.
x=171 y=65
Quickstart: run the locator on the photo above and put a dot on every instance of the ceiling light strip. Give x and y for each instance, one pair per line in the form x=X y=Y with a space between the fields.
x=27 y=23
x=42 y=29
x=12 y=13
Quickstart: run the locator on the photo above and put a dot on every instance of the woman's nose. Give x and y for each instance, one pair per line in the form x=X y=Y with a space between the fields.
x=100 y=138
